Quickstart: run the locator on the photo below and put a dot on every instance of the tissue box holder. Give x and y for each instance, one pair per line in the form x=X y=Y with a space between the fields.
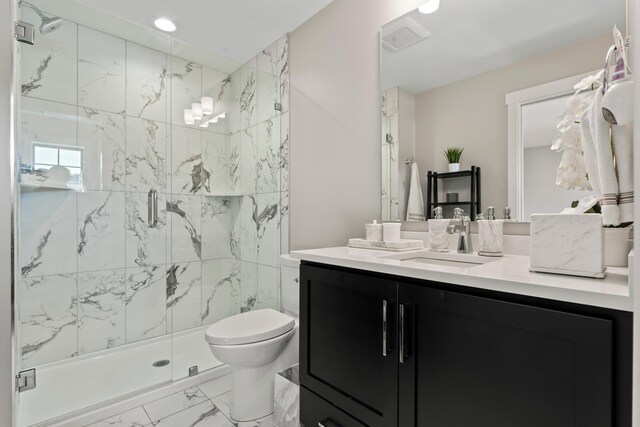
x=570 y=244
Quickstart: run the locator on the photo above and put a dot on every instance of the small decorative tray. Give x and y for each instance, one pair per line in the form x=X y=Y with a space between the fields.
x=399 y=246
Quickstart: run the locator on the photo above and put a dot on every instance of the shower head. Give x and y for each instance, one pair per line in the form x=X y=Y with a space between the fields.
x=49 y=23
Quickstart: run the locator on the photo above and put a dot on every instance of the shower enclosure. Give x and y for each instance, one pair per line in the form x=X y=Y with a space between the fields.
x=136 y=230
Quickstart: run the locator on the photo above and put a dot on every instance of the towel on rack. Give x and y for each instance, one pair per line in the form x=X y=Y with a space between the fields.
x=623 y=149
x=601 y=132
x=589 y=152
x=415 y=204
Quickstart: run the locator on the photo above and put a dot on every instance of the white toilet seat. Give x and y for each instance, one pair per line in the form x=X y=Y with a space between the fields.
x=250 y=327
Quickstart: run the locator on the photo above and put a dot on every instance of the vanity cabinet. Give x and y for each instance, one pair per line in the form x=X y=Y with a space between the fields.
x=348 y=347
x=451 y=356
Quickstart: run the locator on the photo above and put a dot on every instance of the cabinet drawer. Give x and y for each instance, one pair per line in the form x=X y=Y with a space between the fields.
x=317 y=412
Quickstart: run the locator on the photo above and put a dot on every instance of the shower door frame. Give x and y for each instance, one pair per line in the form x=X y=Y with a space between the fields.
x=8 y=234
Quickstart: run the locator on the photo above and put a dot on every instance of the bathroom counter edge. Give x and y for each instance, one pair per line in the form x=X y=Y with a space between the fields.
x=508 y=274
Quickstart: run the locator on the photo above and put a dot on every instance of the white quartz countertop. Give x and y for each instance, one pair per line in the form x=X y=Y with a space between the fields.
x=506 y=274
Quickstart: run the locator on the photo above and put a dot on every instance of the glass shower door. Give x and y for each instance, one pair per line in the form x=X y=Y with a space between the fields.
x=93 y=143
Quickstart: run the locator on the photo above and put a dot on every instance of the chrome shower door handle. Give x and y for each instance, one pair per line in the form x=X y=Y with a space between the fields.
x=152 y=208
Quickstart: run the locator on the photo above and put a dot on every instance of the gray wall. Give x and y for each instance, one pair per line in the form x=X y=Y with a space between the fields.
x=335 y=121
x=472 y=114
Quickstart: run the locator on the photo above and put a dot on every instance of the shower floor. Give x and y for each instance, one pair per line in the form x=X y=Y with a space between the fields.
x=85 y=383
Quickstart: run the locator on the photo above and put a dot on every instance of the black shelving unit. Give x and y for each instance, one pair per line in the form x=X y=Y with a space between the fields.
x=472 y=207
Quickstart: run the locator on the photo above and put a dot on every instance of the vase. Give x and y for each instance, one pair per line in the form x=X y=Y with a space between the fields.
x=616 y=247
x=454 y=167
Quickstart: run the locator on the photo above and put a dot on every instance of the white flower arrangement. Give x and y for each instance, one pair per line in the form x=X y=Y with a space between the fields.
x=572 y=171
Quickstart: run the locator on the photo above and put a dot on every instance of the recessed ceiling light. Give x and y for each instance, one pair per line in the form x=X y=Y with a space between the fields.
x=430 y=6
x=165 y=24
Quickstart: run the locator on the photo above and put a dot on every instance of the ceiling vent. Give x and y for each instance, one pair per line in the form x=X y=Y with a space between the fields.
x=403 y=33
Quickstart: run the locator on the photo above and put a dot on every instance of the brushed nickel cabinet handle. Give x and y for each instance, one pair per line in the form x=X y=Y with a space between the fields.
x=384 y=328
x=402 y=333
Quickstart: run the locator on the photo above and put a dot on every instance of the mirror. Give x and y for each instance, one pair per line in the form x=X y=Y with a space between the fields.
x=444 y=81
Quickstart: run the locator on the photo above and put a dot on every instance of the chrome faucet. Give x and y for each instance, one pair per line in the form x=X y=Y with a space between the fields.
x=464 y=231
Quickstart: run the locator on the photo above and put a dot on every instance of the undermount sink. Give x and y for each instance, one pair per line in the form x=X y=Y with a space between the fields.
x=447 y=259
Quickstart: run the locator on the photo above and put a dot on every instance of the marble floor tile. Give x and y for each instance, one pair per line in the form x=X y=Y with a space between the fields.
x=287 y=403
x=136 y=417
x=175 y=403
x=223 y=402
x=217 y=387
x=203 y=415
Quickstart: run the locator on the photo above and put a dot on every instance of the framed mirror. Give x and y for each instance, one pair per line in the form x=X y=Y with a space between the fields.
x=445 y=76
x=533 y=115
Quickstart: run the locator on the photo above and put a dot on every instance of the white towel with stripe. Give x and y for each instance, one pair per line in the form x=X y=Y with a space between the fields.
x=415 y=204
x=623 y=149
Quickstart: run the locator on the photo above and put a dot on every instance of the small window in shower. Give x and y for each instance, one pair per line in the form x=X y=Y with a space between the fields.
x=46 y=156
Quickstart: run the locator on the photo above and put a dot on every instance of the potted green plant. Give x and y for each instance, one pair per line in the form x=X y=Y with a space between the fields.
x=453 y=156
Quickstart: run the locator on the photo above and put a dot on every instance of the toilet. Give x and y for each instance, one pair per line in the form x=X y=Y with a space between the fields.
x=256 y=345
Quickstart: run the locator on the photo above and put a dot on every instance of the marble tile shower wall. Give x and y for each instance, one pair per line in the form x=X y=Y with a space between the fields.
x=390 y=127
x=94 y=274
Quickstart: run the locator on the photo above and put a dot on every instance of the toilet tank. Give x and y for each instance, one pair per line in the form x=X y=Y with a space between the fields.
x=290 y=291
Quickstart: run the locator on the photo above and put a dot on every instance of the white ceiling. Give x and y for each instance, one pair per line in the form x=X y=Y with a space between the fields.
x=235 y=29
x=469 y=37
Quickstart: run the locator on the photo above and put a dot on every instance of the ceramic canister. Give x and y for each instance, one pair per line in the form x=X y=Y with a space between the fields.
x=490 y=237
x=391 y=231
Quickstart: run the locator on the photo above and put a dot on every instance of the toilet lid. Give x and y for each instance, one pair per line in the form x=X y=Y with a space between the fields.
x=249 y=327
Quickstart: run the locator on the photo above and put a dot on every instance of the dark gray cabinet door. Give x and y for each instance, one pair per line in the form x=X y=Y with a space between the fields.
x=348 y=345
x=479 y=362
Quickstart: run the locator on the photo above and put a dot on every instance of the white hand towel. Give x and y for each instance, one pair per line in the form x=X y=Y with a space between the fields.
x=623 y=148
x=589 y=152
x=415 y=205
x=601 y=133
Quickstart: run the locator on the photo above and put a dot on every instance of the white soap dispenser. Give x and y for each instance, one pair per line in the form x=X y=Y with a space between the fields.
x=438 y=236
x=490 y=234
